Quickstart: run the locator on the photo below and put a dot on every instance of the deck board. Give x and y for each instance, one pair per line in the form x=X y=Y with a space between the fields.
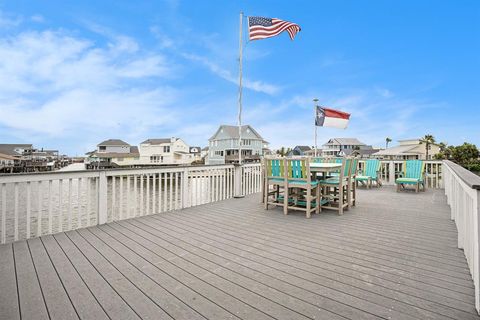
x=393 y=256
x=8 y=294
x=56 y=299
x=32 y=304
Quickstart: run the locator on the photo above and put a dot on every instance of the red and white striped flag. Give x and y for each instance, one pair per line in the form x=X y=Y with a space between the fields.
x=331 y=118
x=261 y=28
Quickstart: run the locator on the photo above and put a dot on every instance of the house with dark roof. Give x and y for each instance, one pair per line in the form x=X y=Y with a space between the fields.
x=340 y=147
x=223 y=145
x=167 y=151
x=299 y=151
x=113 y=153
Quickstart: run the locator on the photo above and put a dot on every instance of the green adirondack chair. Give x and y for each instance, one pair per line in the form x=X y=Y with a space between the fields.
x=412 y=174
x=275 y=175
x=301 y=188
x=370 y=173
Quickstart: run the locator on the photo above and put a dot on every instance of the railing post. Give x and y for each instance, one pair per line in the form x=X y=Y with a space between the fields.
x=476 y=248
x=185 y=193
x=237 y=181
x=391 y=173
x=102 y=198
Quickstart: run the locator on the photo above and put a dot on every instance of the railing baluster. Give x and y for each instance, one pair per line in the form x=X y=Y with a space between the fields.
x=148 y=194
x=87 y=197
x=135 y=196
x=171 y=192
x=159 y=192
x=120 y=205
x=154 y=195
x=4 y=213
x=114 y=195
x=79 y=203
x=15 y=211
x=127 y=201
x=141 y=195
x=29 y=209
x=50 y=213
x=60 y=205
x=39 y=213
x=165 y=197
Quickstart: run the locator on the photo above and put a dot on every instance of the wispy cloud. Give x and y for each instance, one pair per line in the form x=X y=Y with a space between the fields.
x=255 y=85
x=9 y=21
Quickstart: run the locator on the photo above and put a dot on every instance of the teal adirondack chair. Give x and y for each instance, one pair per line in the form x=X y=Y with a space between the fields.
x=370 y=173
x=413 y=173
x=337 y=189
x=275 y=175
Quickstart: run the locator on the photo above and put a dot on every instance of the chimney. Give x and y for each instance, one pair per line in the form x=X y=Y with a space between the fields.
x=173 y=139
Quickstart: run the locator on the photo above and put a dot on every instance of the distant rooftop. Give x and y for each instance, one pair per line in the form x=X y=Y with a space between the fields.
x=345 y=141
x=232 y=131
x=113 y=142
x=158 y=141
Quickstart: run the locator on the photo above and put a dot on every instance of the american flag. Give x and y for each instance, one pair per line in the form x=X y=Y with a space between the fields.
x=261 y=28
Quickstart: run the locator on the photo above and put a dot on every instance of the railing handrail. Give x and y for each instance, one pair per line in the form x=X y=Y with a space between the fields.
x=95 y=172
x=470 y=178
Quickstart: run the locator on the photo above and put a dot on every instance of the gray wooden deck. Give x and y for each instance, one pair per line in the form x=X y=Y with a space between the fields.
x=393 y=257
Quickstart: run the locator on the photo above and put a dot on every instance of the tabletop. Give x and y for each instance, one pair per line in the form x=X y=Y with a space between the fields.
x=324 y=166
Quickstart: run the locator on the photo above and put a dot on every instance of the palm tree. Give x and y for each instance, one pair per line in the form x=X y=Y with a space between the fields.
x=428 y=139
x=387 y=141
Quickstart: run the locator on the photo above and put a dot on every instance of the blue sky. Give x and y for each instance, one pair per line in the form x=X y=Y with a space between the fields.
x=73 y=73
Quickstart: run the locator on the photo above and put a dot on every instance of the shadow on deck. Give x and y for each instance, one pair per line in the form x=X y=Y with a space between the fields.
x=394 y=256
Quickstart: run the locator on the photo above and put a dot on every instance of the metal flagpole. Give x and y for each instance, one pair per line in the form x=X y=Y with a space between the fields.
x=240 y=90
x=315 y=122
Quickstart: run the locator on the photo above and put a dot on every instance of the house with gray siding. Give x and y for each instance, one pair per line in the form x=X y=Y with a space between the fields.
x=223 y=145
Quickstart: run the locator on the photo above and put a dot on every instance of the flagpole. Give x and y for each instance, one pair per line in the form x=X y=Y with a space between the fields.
x=240 y=44
x=315 y=102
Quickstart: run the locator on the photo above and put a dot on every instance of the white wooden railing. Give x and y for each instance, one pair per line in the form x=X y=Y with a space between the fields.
x=32 y=205
x=390 y=170
x=462 y=188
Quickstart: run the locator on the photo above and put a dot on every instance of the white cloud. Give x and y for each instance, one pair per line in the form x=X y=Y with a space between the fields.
x=255 y=85
x=56 y=84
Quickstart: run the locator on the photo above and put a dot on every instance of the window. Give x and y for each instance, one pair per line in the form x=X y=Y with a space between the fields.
x=102 y=148
x=155 y=159
x=166 y=149
x=219 y=153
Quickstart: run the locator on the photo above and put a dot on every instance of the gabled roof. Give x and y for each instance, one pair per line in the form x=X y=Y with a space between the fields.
x=158 y=141
x=133 y=153
x=303 y=148
x=113 y=142
x=232 y=131
x=344 y=141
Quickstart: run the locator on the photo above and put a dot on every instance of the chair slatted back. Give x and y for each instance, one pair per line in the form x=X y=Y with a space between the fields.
x=348 y=167
x=372 y=166
x=275 y=168
x=298 y=169
x=413 y=169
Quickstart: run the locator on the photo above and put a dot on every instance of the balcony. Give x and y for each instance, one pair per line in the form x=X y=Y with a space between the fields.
x=173 y=243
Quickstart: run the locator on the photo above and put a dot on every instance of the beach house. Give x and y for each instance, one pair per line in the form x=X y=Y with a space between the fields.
x=223 y=145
